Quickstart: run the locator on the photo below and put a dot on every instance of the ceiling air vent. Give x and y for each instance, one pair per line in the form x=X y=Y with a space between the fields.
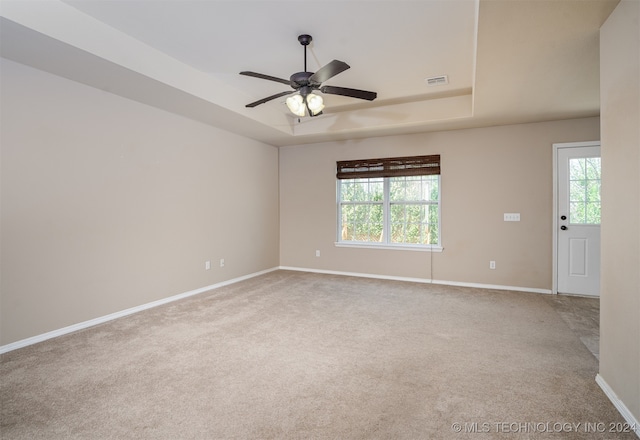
x=437 y=80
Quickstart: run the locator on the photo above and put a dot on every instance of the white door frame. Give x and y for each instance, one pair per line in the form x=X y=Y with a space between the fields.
x=555 y=222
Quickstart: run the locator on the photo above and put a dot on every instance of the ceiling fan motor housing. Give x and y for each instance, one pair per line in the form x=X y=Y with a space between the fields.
x=300 y=79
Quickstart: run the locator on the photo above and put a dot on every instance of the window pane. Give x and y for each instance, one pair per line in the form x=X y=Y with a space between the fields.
x=413 y=233
x=397 y=233
x=361 y=232
x=401 y=188
x=360 y=213
x=413 y=188
x=434 y=185
x=433 y=233
x=376 y=223
x=376 y=190
x=361 y=222
x=398 y=223
x=577 y=189
x=593 y=191
x=577 y=169
x=414 y=223
x=346 y=221
x=346 y=190
x=592 y=168
x=396 y=189
x=361 y=190
x=593 y=213
x=415 y=213
x=577 y=212
x=397 y=214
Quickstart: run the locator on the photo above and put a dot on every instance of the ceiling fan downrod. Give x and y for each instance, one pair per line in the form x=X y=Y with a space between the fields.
x=305 y=39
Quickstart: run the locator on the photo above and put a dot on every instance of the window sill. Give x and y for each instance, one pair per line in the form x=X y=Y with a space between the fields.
x=396 y=247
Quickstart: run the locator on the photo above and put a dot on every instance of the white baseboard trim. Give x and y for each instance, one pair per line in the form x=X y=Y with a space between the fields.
x=102 y=319
x=420 y=280
x=620 y=406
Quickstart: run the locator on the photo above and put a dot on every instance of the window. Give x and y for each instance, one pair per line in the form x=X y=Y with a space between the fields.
x=584 y=190
x=390 y=202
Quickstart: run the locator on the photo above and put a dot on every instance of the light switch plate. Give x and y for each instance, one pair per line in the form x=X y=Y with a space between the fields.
x=511 y=216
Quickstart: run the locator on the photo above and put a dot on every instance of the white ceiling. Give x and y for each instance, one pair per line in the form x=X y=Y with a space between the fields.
x=508 y=61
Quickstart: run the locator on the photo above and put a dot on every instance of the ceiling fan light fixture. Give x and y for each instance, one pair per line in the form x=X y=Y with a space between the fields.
x=295 y=103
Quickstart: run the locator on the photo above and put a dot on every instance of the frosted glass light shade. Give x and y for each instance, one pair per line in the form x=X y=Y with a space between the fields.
x=296 y=105
x=315 y=103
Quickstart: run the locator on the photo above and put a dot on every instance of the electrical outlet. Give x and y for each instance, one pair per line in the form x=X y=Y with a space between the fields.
x=207 y=265
x=317 y=253
x=492 y=264
x=221 y=262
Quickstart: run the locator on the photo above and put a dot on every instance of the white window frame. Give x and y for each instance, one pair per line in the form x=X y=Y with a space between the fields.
x=386 y=207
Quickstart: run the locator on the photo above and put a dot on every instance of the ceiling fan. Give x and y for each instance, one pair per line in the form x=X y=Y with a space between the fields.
x=305 y=83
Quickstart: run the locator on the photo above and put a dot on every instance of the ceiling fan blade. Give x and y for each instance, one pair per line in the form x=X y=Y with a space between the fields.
x=328 y=71
x=269 y=98
x=263 y=76
x=353 y=93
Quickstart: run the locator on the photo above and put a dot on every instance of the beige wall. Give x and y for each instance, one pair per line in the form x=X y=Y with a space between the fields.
x=485 y=173
x=620 y=285
x=109 y=204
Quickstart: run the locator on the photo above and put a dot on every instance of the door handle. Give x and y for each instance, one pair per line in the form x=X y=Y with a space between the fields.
x=563 y=227
x=564 y=217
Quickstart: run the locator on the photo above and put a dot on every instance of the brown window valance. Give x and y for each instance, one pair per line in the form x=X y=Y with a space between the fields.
x=389 y=167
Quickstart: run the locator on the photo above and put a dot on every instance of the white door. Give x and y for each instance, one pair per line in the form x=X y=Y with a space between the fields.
x=578 y=218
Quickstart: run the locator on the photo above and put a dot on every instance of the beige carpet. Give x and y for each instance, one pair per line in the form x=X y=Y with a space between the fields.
x=298 y=355
x=582 y=315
